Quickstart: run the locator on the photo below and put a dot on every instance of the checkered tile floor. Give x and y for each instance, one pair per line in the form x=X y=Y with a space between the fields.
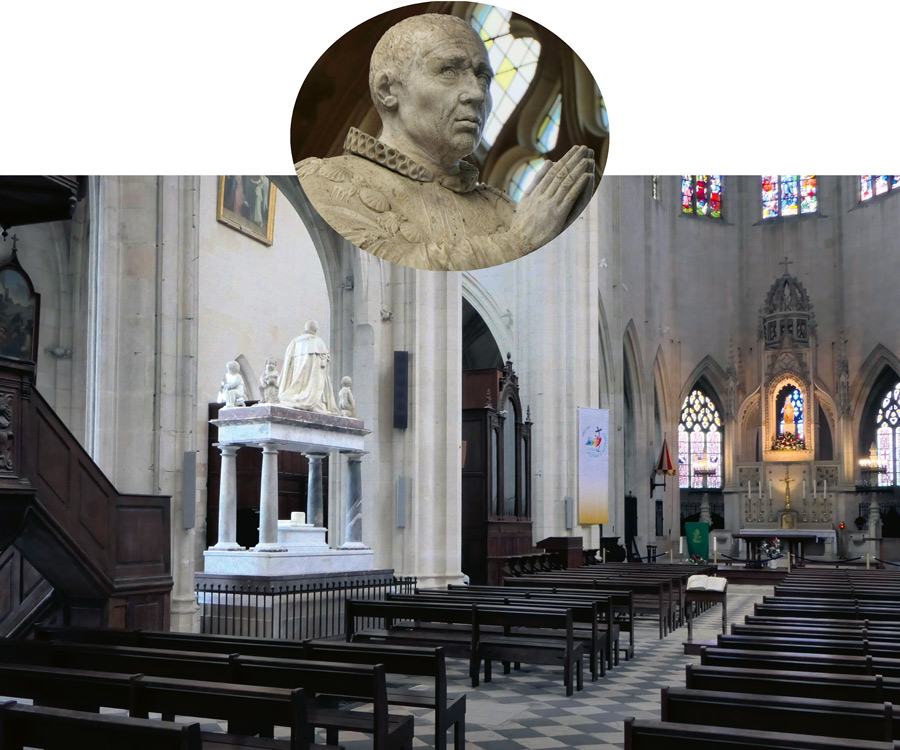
x=529 y=709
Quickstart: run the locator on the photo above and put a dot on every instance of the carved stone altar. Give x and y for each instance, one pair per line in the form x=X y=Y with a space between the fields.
x=285 y=547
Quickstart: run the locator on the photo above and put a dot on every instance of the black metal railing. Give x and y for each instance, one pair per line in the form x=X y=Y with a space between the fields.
x=296 y=611
x=890 y=517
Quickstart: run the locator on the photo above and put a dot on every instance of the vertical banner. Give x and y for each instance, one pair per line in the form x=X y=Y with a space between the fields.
x=593 y=465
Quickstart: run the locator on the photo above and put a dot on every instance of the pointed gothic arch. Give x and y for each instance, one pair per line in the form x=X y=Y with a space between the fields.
x=710 y=371
x=870 y=373
x=879 y=374
x=498 y=321
x=661 y=385
x=709 y=379
x=633 y=363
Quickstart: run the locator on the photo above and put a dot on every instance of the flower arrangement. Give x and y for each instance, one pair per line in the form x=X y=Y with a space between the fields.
x=789 y=443
x=695 y=559
x=771 y=548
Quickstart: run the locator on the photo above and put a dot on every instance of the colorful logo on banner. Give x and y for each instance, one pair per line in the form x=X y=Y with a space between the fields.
x=593 y=466
x=595 y=443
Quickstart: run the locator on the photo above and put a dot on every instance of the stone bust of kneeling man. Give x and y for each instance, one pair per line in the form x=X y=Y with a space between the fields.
x=407 y=196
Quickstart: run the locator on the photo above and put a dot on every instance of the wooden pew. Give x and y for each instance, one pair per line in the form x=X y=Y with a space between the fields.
x=586 y=614
x=85 y=690
x=847 y=664
x=618 y=614
x=352 y=682
x=785 y=608
x=63 y=729
x=826 y=685
x=665 y=735
x=808 y=643
x=448 y=713
x=408 y=623
x=653 y=594
x=418 y=662
x=815 y=631
x=815 y=716
x=509 y=646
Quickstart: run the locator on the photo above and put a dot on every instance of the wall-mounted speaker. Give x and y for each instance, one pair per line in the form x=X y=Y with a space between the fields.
x=401 y=390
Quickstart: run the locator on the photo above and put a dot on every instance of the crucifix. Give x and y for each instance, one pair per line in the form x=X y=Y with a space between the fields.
x=786 y=263
x=787 y=488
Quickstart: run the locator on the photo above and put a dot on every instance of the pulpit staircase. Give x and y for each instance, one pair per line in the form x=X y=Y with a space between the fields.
x=73 y=549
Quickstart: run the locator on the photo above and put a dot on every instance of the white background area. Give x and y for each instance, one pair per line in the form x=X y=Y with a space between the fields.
x=193 y=87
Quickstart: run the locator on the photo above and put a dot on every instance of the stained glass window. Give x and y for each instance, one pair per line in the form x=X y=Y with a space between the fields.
x=795 y=412
x=887 y=436
x=790 y=199
x=548 y=132
x=513 y=59
x=522 y=178
x=789 y=195
x=699 y=437
x=871 y=185
x=809 y=194
x=702 y=195
x=547 y=135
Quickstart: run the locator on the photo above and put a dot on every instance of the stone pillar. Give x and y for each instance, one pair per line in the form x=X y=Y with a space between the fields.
x=268 y=500
x=353 y=532
x=314 y=502
x=874 y=527
x=228 y=499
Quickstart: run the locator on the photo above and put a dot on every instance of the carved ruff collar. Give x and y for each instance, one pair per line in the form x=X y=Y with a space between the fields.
x=364 y=145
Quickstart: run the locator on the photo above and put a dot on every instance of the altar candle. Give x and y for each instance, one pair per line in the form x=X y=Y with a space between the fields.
x=681 y=545
x=759 y=489
x=715 y=544
x=748 y=489
x=770 y=488
x=825 y=491
x=814 y=489
x=804 y=489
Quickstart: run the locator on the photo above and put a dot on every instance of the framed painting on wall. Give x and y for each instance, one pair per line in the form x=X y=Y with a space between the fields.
x=247 y=203
x=19 y=309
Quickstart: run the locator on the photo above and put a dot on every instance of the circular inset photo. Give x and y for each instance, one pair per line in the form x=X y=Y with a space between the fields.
x=449 y=141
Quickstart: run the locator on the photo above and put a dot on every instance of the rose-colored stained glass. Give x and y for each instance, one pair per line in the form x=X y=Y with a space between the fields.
x=715 y=195
x=687 y=194
x=809 y=194
x=701 y=200
x=865 y=187
x=769 y=196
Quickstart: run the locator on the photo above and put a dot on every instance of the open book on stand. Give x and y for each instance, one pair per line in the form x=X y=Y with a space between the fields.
x=706 y=583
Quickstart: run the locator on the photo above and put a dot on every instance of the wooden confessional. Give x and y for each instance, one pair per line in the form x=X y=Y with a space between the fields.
x=496 y=474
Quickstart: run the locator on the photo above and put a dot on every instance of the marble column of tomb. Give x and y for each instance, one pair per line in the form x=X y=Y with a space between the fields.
x=296 y=546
